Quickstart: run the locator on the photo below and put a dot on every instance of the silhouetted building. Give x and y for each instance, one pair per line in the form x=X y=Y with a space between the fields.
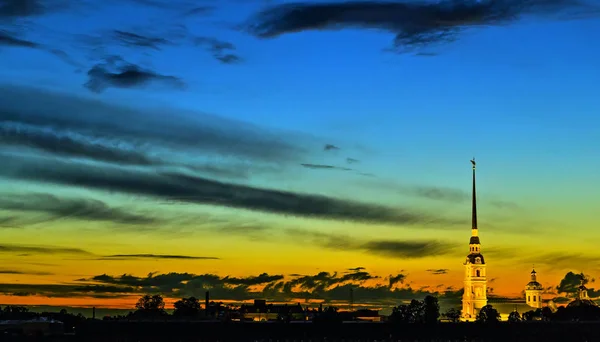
x=260 y=311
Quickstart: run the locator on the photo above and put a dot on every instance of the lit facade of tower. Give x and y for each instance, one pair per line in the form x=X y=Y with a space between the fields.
x=533 y=292
x=475 y=284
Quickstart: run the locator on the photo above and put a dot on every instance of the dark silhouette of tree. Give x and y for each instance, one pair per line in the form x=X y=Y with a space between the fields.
x=150 y=306
x=400 y=314
x=453 y=315
x=488 y=314
x=431 y=309
x=546 y=313
x=416 y=311
x=187 y=307
x=514 y=317
x=328 y=316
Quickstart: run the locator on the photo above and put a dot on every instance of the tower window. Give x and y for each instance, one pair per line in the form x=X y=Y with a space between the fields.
x=529 y=298
x=534 y=298
x=478 y=273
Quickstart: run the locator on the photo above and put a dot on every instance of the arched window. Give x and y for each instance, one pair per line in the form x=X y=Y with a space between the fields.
x=534 y=298
x=478 y=274
x=529 y=298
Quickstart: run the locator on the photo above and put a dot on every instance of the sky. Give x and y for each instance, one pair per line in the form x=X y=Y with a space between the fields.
x=292 y=151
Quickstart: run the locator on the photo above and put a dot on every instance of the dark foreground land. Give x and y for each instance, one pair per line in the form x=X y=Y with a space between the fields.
x=164 y=331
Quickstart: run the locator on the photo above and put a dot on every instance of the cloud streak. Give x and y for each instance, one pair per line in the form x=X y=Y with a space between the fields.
x=414 y=24
x=156 y=256
x=69 y=208
x=174 y=132
x=7 y=248
x=401 y=249
x=184 y=188
x=325 y=167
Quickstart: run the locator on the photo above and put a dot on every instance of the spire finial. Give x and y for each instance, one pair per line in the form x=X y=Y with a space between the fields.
x=474 y=214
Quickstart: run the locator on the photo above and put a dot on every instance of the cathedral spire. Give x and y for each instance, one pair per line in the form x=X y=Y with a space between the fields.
x=474 y=214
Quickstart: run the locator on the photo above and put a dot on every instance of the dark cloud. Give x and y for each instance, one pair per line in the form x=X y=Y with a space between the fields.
x=408 y=249
x=65 y=290
x=101 y=125
x=414 y=24
x=29 y=8
x=131 y=39
x=426 y=54
x=571 y=282
x=156 y=256
x=7 y=39
x=330 y=147
x=41 y=250
x=70 y=144
x=263 y=278
x=199 y=10
x=327 y=286
x=356 y=269
x=397 y=279
x=184 y=6
x=220 y=50
x=388 y=248
x=229 y=58
x=352 y=161
x=324 y=167
x=121 y=74
x=55 y=207
x=19 y=272
x=439 y=271
x=192 y=189
x=436 y=193
x=10 y=40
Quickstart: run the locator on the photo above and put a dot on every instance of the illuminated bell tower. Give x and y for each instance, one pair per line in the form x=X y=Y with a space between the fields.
x=475 y=284
x=533 y=292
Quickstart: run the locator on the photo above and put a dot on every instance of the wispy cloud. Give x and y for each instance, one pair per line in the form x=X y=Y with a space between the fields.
x=11 y=248
x=325 y=167
x=54 y=207
x=116 y=73
x=21 y=272
x=403 y=249
x=8 y=39
x=156 y=256
x=438 y=271
x=221 y=50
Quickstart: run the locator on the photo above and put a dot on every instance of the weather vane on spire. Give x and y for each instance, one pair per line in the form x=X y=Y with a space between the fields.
x=473 y=162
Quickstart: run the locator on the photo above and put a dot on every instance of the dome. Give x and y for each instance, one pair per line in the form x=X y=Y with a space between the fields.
x=474 y=240
x=534 y=285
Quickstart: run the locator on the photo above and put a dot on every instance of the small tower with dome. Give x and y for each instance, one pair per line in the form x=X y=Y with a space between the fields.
x=582 y=297
x=533 y=292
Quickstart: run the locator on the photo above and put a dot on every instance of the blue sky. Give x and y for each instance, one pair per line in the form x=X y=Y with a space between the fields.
x=521 y=97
